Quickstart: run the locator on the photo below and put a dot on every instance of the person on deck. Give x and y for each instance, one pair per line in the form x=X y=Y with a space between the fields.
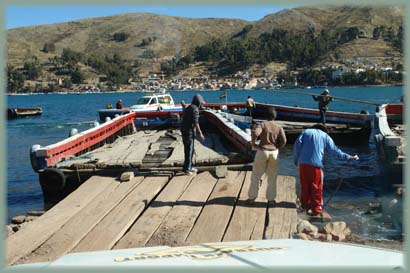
x=183 y=105
x=190 y=126
x=250 y=105
x=324 y=99
x=119 y=104
x=308 y=152
x=272 y=138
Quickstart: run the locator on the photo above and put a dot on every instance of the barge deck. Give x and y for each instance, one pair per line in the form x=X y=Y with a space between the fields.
x=173 y=210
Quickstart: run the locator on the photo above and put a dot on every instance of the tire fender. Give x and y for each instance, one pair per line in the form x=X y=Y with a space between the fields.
x=52 y=179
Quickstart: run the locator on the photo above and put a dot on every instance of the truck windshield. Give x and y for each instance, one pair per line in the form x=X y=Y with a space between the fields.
x=143 y=100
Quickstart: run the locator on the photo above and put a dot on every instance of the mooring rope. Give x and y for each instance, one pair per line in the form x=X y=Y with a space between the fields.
x=338 y=185
x=318 y=95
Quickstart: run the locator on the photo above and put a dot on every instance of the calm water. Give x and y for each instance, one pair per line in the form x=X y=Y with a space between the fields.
x=362 y=183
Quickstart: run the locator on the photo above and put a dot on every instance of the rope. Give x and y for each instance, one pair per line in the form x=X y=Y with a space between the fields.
x=338 y=98
x=337 y=187
x=78 y=174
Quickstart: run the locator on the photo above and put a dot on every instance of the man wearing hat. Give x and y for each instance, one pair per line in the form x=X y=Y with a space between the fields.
x=190 y=126
x=324 y=99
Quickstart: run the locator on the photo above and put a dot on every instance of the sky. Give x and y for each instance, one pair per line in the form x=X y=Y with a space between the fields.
x=19 y=16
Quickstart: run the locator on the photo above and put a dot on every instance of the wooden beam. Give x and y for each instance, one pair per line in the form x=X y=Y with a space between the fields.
x=279 y=222
x=80 y=224
x=104 y=235
x=31 y=236
x=179 y=221
x=147 y=224
x=214 y=218
x=248 y=221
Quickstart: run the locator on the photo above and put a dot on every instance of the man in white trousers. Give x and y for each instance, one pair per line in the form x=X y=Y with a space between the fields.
x=272 y=138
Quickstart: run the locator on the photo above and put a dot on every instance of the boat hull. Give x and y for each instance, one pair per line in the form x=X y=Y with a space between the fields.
x=13 y=113
x=344 y=128
x=390 y=142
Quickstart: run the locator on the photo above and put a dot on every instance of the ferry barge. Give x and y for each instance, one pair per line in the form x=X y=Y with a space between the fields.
x=149 y=141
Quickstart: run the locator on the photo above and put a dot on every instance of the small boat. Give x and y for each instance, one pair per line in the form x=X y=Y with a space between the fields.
x=13 y=113
x=389 y=137
x=149 y=102
x=344 y=128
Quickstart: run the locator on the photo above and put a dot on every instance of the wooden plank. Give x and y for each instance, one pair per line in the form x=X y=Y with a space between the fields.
x=132 y=146
x=202 y=154
x=179 y=221
x=275 y=214
x=80 y=224
x=291 y=212
x=248 y=221
x=214 y=218
x=104 y=235
x=289 y=220
x=283 y=216
x=147 y=224
x=139 y=148
x=31 y=236
x=284 y=230
x=118 y=148
x=177 y=156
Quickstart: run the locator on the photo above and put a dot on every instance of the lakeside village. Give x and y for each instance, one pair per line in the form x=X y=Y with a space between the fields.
x=352 y=72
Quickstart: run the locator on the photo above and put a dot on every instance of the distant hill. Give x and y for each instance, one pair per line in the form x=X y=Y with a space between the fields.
x=167 y=36
x=151 y=39
x=331 y=19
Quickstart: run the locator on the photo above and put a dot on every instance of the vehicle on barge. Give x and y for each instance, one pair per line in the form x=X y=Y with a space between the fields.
x=149 y=102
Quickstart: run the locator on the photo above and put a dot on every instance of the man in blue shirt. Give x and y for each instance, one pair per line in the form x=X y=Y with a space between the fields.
x=190 y=126
x=308 y=152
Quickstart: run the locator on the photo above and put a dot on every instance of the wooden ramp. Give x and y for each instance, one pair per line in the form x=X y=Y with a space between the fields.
x=104 y=213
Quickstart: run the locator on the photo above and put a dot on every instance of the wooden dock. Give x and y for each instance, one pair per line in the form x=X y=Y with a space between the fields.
x=173 y=210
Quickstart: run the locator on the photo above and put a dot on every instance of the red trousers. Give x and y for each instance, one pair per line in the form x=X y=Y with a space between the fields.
x=311 y=187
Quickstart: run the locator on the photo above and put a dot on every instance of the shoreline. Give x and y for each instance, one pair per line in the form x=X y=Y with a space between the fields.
x=201 y=90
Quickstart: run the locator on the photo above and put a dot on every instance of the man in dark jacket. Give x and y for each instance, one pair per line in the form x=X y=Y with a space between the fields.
x=190 y=126
x=324 y=99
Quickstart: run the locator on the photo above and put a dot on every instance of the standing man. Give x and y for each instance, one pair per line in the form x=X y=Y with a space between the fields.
x=272 y=138
x=119 y=104
x=324 y=99
x=190 y=126
x=250 y=105
x=308 y=152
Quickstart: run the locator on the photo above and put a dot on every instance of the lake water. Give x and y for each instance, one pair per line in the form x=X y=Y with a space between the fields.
x=363 y=186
